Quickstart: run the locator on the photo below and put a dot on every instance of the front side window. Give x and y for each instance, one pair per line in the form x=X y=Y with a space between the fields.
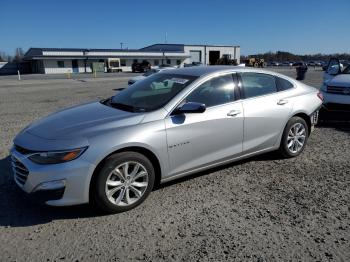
x=216 y=91
x=346 y=70
x=256 y=84
x=283 y=84
x=60 y=64
x=122 y=62
x=151 y=93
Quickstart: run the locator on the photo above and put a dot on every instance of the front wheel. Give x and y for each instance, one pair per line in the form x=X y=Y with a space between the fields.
x=294 y=137
x=123 y=183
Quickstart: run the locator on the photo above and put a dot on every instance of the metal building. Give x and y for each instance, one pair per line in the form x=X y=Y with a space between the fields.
x=82 y=60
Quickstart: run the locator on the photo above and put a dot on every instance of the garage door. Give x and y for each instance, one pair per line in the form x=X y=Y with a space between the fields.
x=196 y=56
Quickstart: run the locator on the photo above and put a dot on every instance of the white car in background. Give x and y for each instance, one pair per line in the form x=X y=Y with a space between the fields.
x=148 y=73
x=336 y=91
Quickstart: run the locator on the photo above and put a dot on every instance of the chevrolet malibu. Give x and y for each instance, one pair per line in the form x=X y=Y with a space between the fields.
x=111 y=153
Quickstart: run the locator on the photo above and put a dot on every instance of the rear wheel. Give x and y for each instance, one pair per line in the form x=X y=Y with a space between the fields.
x=294 y=137
x=123 y=183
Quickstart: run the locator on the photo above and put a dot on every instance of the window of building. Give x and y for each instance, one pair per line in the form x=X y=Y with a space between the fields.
x=60 y=64
x=283 y=84
x=216 y=91
x=256 y=84
x=168 y=61
x=122 y=62
x=156 y=62
x=178 y=62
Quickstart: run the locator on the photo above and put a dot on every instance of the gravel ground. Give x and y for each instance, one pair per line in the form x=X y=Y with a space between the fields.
x=260 y=209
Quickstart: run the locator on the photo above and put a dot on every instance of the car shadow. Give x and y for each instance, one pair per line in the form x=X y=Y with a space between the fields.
x=270 y=156
x=342 y=126
x=17 y=210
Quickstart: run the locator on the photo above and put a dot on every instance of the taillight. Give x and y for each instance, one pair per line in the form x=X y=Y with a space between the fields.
x=320 y=96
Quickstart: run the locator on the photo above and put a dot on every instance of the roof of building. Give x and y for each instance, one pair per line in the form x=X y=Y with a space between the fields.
x=164 y=48
x=156 y=48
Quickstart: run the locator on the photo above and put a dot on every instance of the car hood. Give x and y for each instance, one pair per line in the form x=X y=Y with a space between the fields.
x=342 y=80
x=82 y=121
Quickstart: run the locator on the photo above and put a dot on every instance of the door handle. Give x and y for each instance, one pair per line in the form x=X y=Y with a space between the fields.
x=282 y=102
x=233 y=113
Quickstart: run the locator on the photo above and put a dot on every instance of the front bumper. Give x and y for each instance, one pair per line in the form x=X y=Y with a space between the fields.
x=55 y=184
x=335 y=107
x=331 y=98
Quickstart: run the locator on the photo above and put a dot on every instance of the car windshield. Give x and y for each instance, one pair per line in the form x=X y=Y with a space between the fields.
x=151 y=93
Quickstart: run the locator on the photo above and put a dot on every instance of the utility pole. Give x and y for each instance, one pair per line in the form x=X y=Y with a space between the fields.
x=166 y=37
x=121 y=45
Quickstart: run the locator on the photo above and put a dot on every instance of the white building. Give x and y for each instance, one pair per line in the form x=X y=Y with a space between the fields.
x=80 y=60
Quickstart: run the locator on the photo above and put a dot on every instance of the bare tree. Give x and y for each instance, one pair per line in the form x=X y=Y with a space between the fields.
x=3 y=57
x=18 y=55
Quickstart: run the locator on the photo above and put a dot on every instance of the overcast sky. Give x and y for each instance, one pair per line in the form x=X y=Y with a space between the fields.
x=298 y=26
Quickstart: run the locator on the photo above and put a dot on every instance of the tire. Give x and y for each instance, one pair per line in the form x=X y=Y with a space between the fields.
x=121 y=184
x=292 y=147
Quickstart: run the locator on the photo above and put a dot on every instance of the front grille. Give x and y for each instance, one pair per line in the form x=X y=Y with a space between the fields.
x=337 y=107
x=338 y=90
x=20 y=172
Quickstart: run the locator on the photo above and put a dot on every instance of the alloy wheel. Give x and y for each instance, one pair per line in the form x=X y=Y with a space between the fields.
x=127 y=183
x=296 y=138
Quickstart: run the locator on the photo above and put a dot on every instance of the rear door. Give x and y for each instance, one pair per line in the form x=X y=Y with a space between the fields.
x=200 y=139
x=266 y=111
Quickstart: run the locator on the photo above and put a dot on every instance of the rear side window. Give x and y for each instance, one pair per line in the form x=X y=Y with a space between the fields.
x=216 y=91
x=256 y=84
x=283 y=84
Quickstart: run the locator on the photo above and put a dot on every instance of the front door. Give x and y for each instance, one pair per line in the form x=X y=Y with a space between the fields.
x=75 y=66
x=200 y=139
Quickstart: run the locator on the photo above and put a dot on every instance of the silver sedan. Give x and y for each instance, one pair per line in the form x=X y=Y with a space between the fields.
x=112 y=152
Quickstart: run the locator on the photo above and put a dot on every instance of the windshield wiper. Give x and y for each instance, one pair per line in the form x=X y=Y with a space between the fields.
x=126 y=107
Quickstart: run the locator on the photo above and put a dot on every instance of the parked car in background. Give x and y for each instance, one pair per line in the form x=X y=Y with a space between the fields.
x=299 y=63
x=287 y=63
x=320 y=63
x=274 y=63
x=171 y=124
x=193 y=64
x=141 y=67
x=148 y=73
x=336 y=91
x=167 y=66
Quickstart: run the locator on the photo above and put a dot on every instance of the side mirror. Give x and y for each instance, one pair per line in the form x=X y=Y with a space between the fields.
x=190 y=107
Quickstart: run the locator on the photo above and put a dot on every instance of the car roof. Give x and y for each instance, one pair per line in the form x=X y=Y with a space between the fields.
x=208 y=70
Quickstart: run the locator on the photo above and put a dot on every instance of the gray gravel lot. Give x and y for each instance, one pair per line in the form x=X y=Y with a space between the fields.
x=260 y=209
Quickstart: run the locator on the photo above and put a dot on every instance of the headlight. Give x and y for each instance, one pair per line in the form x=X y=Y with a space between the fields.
x=57 y=156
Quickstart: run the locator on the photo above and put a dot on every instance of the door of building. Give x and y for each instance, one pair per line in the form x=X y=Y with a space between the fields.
x=75 y=66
